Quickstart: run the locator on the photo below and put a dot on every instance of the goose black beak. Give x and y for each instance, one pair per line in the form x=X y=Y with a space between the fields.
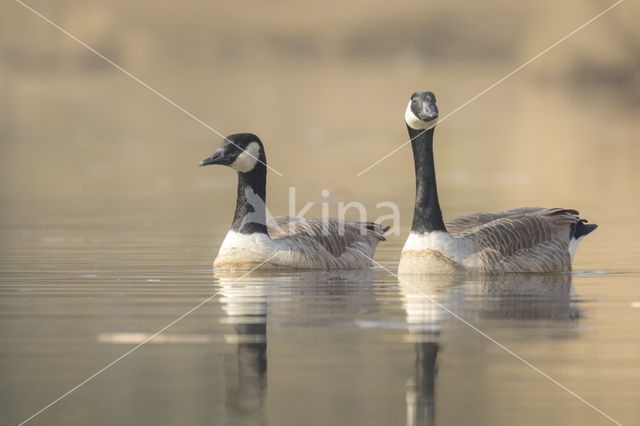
x=430 y=112
x=217 y=157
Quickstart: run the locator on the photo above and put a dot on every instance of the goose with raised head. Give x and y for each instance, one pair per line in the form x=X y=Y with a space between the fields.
x=524 y=240
x=283 y=242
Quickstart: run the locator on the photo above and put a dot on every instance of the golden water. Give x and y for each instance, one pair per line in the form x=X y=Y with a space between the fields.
x=108 y=228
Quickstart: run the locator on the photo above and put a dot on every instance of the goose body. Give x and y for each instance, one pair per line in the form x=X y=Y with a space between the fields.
x=522 y=240
x=302 y=244
x=283 y=242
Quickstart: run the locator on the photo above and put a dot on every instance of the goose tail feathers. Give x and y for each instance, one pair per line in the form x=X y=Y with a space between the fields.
x=378 y=230
x=582 y=228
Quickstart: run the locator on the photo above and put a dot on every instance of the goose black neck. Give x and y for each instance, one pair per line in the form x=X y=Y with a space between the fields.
x=427 y=216
x=250 y=214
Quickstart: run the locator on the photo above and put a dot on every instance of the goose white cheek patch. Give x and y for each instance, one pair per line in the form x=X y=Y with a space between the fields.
x=246 y=161
x=414 y=122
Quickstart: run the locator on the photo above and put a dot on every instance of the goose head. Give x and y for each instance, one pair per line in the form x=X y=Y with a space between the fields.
x=422 y=112
x=243 y=152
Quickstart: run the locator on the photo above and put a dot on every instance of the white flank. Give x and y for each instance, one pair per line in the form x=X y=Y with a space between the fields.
x=414 y=122
x=246 y=161
x=442 y=242
x=257 y=243
x=238 y=250
x=241 y=249
x=573 y=245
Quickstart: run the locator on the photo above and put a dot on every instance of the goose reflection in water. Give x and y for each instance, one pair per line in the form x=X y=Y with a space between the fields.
x=246 y=309
x=247 y=300
x=484 y=297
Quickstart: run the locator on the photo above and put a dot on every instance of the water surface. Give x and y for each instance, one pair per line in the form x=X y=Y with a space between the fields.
x=290 y=348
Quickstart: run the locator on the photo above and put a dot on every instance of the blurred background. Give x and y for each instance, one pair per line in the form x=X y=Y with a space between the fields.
x=108 y=225
x=325 y=86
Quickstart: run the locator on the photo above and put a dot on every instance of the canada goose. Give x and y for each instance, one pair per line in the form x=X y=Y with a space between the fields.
x=528 y=239
x=283 y=242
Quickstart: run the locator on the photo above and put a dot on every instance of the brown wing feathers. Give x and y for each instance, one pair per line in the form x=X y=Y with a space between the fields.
x=532 y=239
x=333 y=235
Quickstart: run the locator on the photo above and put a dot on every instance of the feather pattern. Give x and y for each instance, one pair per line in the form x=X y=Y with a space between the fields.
x=318 y=243
x=528 y=239
x=333 y=235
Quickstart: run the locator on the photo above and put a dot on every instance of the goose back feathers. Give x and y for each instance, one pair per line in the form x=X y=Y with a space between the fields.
x=318 y=243
x=527 y=239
